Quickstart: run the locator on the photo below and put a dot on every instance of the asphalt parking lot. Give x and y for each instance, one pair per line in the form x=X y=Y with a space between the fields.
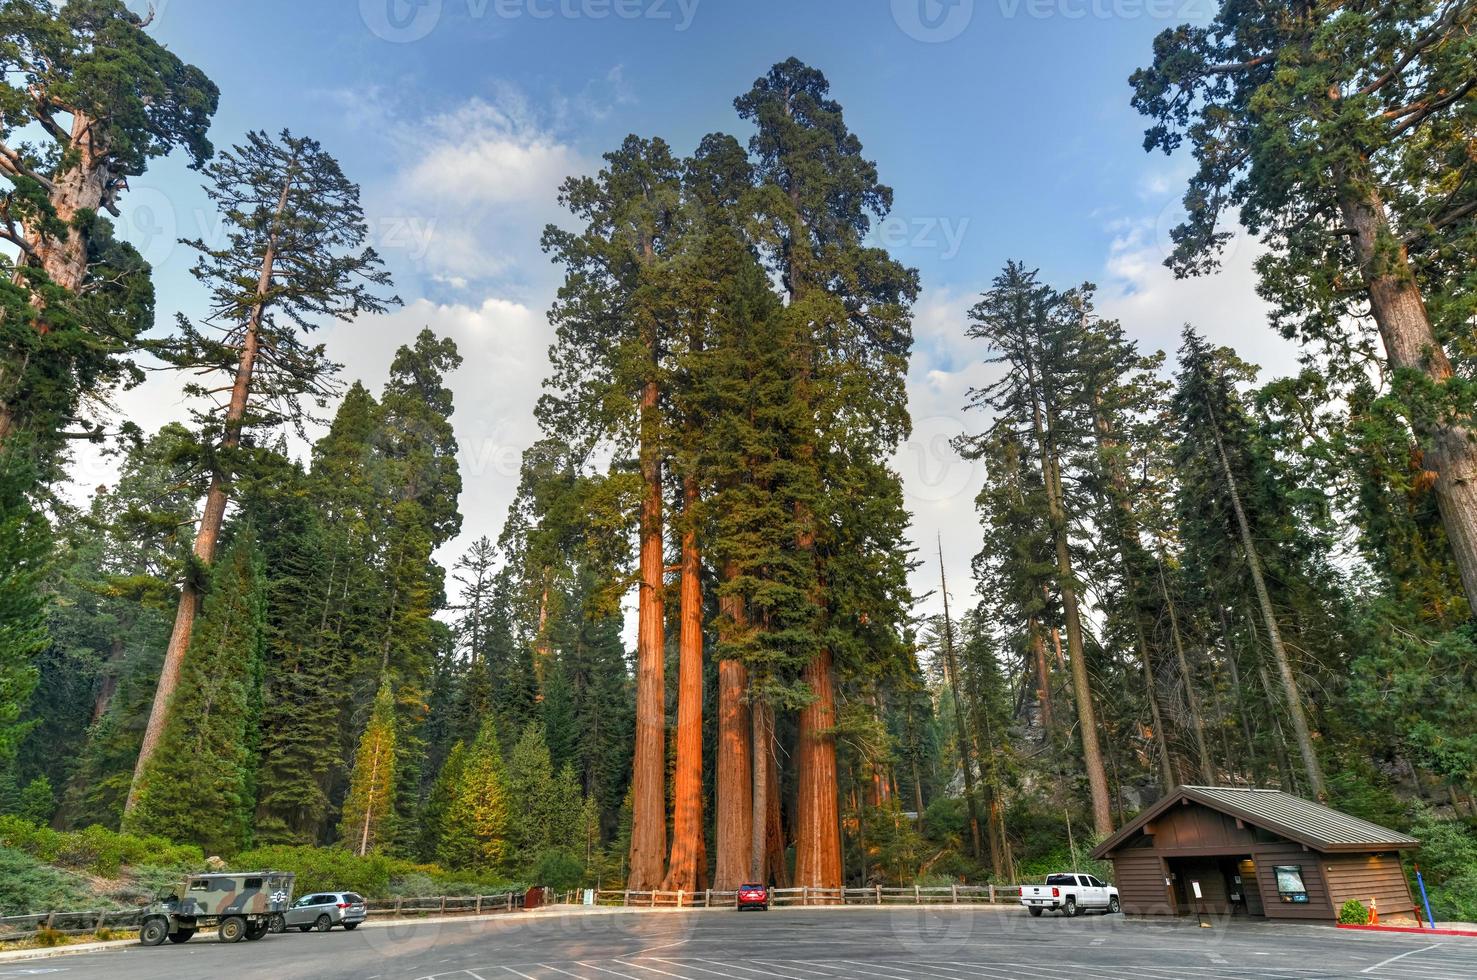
x=802 y=944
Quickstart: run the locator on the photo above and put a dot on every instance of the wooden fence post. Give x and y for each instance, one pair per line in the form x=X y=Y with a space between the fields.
x=879 y=894
x=917 y=898
x=992 y=894
x=954 y=890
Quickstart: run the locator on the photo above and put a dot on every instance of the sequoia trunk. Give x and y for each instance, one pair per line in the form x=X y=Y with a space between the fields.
x=688 y=868
x=648 y=791
x=817 y=826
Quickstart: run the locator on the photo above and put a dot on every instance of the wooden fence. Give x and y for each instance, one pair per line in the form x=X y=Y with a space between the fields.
x=779 y=897
x=80 y=923
x=15 y=927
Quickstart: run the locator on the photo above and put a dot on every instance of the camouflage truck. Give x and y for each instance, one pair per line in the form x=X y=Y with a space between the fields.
x=241 y=905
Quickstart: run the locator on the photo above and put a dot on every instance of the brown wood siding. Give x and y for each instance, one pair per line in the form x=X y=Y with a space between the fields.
x=1317 y=906
x=1193 y=825
x=1367 y=876
x=1139 y=876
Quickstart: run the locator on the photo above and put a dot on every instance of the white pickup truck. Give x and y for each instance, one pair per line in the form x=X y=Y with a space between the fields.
x=1072 y=894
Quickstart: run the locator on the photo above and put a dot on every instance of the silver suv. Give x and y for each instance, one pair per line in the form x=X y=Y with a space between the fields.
x=324 y=910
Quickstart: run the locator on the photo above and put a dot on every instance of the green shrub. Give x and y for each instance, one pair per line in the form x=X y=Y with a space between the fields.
x=374 y=876
x=558 y=869
x=96 y=850
x=28 y=886
x=1455 y=900
x=1353 y=913
x=1448 y=848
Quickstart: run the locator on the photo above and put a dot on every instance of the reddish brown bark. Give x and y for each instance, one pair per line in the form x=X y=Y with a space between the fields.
x=688 y=869
x=212 y=516
x=81 y=186
x=817 y=830
x=648 y=789
x=774 y=832
x=759 y=796
x=733 y=821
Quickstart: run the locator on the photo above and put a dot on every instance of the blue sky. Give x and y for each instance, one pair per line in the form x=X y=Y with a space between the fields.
x=1002 y=125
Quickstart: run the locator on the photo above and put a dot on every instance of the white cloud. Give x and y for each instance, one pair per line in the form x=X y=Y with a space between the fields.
x=504 y=361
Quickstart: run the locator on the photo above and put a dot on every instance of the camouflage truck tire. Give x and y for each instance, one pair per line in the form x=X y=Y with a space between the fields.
x=233 y=929
x=255 y=930
x=182 y=935
x=277 y=924
x=154 y=931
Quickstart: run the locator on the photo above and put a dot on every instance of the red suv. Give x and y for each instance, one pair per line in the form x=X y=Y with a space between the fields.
x=753 y=896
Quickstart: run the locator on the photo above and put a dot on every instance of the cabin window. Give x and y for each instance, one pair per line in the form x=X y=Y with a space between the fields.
x=200 y=885
x=1290 y=887
x=253 y=882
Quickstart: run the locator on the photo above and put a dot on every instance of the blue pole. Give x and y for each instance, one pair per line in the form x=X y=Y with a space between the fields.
x=1424 y=899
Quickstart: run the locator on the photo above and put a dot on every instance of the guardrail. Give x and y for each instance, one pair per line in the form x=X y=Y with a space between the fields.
x=16 y=927
x=877 y=895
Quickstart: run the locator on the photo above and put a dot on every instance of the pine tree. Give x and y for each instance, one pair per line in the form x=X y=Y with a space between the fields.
x=1336 y=133
x=198 y=786
x=369 y=809
x=294 y=254
x=1027 y=328
x=480 y=815
x=436 y=810
x=1208 y=413
x=24 y=550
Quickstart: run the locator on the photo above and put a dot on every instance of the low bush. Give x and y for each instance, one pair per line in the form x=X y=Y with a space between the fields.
x=27 y=886
x=1353 y=913
x=375 y=876
x=95 y=850
x=1455 y=900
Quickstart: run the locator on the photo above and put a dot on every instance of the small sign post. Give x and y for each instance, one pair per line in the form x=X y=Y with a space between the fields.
x=1205 y=922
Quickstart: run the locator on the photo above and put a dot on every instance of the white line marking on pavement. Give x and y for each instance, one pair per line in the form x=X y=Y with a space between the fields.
x=1424 y=949
x=650 y=969
x=746 y=969
x=549 y=966
x=653 y=949
x=905 y=970
x=602 y=969
x=516 y=973
x=689 y=966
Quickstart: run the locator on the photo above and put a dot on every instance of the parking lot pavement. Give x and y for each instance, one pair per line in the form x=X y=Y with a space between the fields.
x=802 y=944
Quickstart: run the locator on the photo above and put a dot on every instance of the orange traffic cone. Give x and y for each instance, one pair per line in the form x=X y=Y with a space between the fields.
x=1374 y=911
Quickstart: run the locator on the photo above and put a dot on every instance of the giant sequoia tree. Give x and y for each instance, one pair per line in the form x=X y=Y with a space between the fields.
x=89 y=99
x=1342 y=133
x=292 y=256
x=850 y=305
x=614 y=316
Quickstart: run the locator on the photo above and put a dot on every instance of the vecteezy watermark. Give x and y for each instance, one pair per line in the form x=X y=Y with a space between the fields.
x=1105 y=9
x=403 y=21
x=932 y=470
x=941 y=235
x=933 y=21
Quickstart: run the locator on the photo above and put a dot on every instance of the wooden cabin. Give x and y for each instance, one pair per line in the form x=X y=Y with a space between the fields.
x=1255 y=852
